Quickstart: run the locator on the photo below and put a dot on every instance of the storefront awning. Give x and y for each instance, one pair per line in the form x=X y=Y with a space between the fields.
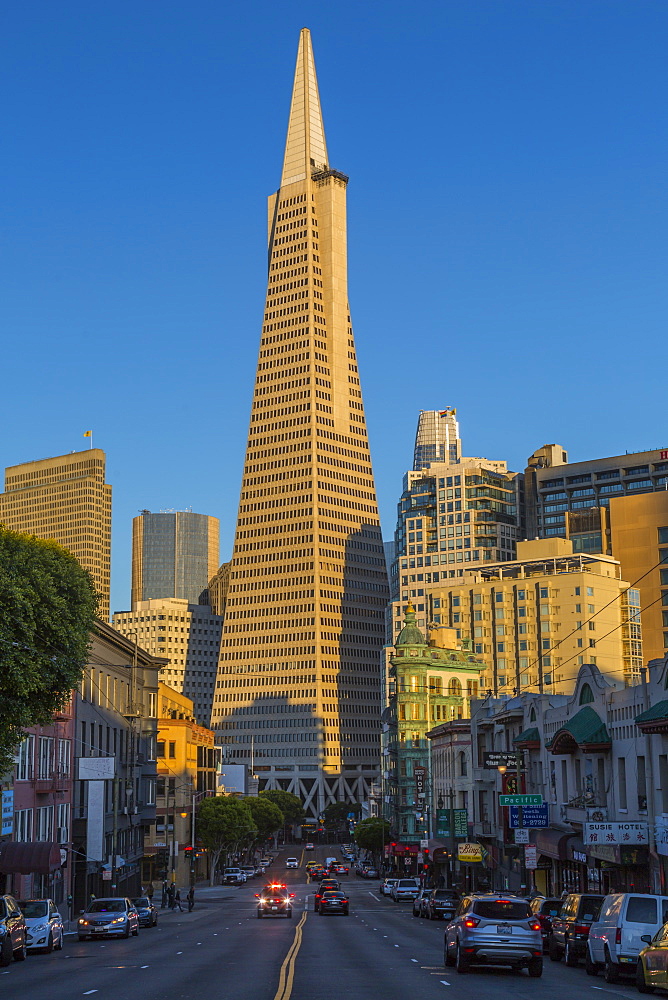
x=553 y=843
x=585 y=731
x=35 y=858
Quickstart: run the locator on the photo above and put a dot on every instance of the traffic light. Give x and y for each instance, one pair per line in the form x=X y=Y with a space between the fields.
x=425 y=859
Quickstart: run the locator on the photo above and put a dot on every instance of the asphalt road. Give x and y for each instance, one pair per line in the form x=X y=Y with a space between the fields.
x=221 y=951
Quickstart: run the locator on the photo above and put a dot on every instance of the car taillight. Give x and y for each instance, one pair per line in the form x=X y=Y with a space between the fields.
x=471 y=922
x=584 y=929
x=534 y=925
x=618 y=936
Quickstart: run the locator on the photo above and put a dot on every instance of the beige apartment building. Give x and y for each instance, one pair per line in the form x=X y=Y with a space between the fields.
x=639 y=537
x=534 y=621
x=188 y=636
x=218 y=587
x=65 y=499
x=298 y=688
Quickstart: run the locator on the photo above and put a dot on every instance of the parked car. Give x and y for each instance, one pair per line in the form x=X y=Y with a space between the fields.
x=652 y=964
x=570 y=927
x=249 y=871
x=491 y=929
x=404 y=888
x=545 y=909
x=419 y=901
x=386 y=885
x=44 y=924
x=616 y=937
x=233 y=876
x=146 y=911
x=13 y=932
x=108 y=917
x=441 y=904
x=333 y=902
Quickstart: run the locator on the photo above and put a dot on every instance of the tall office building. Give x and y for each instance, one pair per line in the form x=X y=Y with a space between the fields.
x=298 y=687
x=437 y=438
x=65 y=499
x=174 y=554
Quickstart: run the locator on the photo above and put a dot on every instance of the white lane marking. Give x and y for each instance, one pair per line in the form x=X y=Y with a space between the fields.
x=199 y=942
x=413 y=959
x=444 y=982
x=89 y=992
x=375 y=897
x=396 y=946
x=179 y=953
x=143 y=966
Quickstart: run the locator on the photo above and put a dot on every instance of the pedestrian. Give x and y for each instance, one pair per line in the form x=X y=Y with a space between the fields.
x=164 y=900
x=149 y=891
x=171 y=891
x=177 y=900
x=93 y=897
x=191 y=898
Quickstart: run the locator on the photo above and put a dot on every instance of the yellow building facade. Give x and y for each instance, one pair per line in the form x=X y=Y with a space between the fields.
x=639 y=539
x=536 y=620
x=65 y=499
x=187 y=771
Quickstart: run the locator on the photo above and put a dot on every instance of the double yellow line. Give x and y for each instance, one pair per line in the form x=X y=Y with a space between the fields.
x=287 y=973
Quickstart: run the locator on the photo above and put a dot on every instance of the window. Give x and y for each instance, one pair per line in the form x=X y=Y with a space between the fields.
x=63 y=823
x=45 y=761
x=590 y=591
x=586 y=695
x=160 y=746
x=172 y=749
x=24 y=764
x=663 y=536
x=23 y=825
x=44 y=824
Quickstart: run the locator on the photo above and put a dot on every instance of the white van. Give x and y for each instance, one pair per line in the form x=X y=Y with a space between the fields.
x=615 y=939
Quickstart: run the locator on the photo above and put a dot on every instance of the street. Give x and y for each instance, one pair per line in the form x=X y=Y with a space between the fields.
x=222 y=951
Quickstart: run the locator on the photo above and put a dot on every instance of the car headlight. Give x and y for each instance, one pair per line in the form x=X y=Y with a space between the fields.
x=118 y=920
x=83 y=923
x=39 y=927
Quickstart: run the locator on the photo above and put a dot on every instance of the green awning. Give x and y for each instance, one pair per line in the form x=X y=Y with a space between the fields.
x=528 y=736
x=586 y=729
x=655 y=713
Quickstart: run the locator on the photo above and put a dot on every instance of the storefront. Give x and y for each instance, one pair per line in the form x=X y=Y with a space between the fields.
x=621 y=867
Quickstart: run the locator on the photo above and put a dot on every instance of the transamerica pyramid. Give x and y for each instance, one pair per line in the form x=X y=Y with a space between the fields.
x=298 y=689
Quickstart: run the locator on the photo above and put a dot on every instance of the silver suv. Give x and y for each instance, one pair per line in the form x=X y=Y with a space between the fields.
x=494 y=929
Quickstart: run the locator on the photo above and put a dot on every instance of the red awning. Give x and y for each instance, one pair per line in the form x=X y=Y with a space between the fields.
x=35 y=858
x=552 y=843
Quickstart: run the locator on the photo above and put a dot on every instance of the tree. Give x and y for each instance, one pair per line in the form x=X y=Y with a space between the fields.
x=47 y=612
x=290 y=805
x=336 y=815
x=224 y=823
x=372 y=835
x=267 y=817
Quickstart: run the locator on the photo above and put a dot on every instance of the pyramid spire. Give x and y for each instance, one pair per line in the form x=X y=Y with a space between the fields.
x=305 y=147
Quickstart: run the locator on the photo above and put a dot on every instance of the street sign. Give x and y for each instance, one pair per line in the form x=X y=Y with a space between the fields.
x=469 y=853
x=424 y=844
x=521 y=836
x=530 y=856
x=420 y=857
x=461 y=822
x=520 y=800
x=106 y=876
x=533 y=817
x=501 y=758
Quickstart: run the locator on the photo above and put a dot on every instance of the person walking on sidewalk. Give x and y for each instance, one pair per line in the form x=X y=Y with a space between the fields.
x=177 y=900
x=191 y=898
x=171 y=891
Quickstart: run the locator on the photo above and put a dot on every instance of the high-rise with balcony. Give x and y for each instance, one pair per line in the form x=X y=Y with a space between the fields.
x=298 y=688
x=174 y=555
x=65 y=499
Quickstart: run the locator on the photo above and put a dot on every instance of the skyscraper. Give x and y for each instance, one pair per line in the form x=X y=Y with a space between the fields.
x=298 y=688
x=437 y=438
x=174 y=554
x=65 y=499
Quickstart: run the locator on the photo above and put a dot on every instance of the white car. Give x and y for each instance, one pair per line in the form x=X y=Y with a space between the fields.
x=386 y=885
x=44 y=925
x=292 y=863
x=405 y=888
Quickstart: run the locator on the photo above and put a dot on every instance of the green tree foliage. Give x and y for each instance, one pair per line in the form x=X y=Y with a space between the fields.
x=47 y=612
x=267 y=817
x=291 y=806
x=372 y=835
x=337 y=812
x=224 y=823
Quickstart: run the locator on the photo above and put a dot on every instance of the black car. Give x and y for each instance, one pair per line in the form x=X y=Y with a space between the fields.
x=333 y=902
x=327 y=885
x=440 y=904
x=570 y=927
x=146 y=911
x=545 y=910
x=274 y=901
x=12 y=931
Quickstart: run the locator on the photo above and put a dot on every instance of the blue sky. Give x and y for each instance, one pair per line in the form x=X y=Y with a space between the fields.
x=507 y=229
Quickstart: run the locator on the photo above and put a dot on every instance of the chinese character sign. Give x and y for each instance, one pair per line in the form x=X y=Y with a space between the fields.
x=615 y=833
